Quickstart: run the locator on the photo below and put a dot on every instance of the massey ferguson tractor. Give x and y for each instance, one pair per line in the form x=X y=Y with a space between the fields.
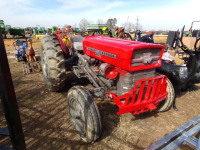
x=121 y=70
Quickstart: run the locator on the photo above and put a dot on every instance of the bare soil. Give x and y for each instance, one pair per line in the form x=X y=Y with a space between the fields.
x=46 y=123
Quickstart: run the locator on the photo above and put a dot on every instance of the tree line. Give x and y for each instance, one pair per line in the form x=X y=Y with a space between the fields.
x=111 y=24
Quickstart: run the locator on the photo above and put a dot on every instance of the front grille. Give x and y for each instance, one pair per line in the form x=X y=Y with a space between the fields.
x=145 y=56
x=127 y=81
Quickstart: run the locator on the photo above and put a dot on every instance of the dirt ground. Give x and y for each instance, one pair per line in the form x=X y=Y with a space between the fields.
x=47 y=126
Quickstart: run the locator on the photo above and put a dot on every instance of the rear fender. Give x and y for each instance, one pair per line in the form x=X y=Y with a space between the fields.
x=63 y=46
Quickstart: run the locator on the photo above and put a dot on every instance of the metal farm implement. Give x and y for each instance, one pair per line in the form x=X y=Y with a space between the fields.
x=31 y=67
x=187 y=134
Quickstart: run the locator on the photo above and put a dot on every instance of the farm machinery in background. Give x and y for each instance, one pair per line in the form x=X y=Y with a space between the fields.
x=146 y=38
x=98 y=29
x=77 y=31
x=29 y=31
x=7 y=28
x=39 y=30
x=2 y=29
x=102 y=29
x=57 y=30
x=183 y=77
x=20 y=47
x=117 y=32
x=52 y=30
x=118 y=69
x=26 y=54
x=15 y=32
x=192 y=32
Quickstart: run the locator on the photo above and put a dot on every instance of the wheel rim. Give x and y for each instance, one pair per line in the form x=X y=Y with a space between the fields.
x=78 y=117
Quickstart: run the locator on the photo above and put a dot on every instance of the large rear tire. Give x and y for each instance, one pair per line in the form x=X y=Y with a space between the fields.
x=84 y=114
x=167 y=104
x=53 y=63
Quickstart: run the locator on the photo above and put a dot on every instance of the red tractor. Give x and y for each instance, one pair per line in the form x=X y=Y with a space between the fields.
x=122 y=70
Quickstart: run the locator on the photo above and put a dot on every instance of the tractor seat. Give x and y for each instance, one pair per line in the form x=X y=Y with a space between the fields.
x=77 y=43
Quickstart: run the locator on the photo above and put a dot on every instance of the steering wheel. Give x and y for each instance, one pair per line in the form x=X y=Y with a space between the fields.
x=181 y=35
x=138 y=32
x=137 y=35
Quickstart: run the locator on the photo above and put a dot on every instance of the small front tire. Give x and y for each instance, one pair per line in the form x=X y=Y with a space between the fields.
x=84 y=114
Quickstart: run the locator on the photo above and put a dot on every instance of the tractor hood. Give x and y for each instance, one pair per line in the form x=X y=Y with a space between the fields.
x=125 y=54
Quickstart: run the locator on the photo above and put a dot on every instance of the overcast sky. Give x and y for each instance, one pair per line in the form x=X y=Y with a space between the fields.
x=153 y=14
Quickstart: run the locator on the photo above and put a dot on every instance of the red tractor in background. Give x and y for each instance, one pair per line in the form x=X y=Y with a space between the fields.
x=122 y=70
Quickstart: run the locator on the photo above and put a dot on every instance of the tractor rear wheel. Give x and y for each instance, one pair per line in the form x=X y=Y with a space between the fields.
x=167 y=104
x=53 y=63
x=84 y=114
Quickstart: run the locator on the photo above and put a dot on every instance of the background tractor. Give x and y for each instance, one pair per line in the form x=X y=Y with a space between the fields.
x=7 y=27
x=97 y=29
x=146 y=38
x=39 y=30
x=17 y=31
x=52 y=30
x=29 y=30
x=118 y=69
x=102 y=29
x=193 y=30
x=20 y=47
x=2 y=29
x=183 y=76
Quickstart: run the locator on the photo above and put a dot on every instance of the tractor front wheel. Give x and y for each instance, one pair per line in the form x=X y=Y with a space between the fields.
x=84 y=114
x=167 y=104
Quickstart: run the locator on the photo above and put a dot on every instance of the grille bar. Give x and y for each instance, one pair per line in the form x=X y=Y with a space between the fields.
x=154 y=89
x=141 y=91
x=149 y=85
x=159 y=85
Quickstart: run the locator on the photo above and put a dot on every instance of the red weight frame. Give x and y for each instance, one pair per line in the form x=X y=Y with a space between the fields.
x=145 y=96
